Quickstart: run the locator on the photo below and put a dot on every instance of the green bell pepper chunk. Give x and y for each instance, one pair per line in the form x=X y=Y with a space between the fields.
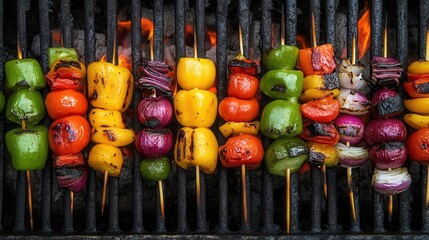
x=2 y=101
x=282 y=84
x=282 y=57
x=285 y=153
x=155 y=169
x=28 y=148
x=55 y=54
x=25 y=105
x=281 y=118
x=24 y=73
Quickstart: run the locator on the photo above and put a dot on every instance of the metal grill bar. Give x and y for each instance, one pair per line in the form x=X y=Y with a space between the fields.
x=290 y=39
x=221 y=71
x=112 y=52
x=425 y=212
x=244 y=21
x=136 y=40
x=402 y=55
x=200 y=31
x=182 y=225
x=91 y=190
x=66 y=38
x=352 y=20
x=46 y=191
x=158 y=15
x=376 y=50
x=19 y=226
x=2 y=59
x=267 y=200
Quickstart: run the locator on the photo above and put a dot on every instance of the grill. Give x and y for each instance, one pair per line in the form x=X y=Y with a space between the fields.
x=313 y=219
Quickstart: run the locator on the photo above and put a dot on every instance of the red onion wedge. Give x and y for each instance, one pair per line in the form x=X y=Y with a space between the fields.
x=391 y=182
x=351 y=156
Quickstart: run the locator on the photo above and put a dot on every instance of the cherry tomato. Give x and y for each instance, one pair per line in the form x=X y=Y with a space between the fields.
x=322 y=110
x=242 y=86
x=418 y=146
x=67 y=102
x=241 y=149
x=416 y=76
x=69 y=135
x=232 y=109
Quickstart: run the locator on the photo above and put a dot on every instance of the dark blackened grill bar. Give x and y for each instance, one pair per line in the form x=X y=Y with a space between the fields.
x=183 y=220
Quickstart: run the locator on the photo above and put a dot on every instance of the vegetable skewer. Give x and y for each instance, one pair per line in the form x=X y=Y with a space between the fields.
x=243 y=147
x=281 y=118
x=27 y=145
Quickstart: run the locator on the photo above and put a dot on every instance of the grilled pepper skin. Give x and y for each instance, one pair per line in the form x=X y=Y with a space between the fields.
x=103 y=157
x=285 y=153
x=106 y=118
x=25 y=105
x=196 y=73
x=155 y=169
x=282 y=84
x=66 y=74
x=28 y=148
x=109 y=86
x=195 y=108
x=61 y=53
x=282 y=57
x=196 y=147
x=281 y=118
x=24 y=73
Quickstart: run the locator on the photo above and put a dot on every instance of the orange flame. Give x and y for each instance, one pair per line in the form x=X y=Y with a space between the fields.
x=302 y=41
x=124 y=31
x=364 y=31
x=210 y=36
x=123 y=60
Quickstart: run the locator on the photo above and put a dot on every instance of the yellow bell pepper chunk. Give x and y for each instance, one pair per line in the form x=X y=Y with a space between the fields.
x=196 y=73
x=195 y=108
x=419 y=67
x=196 y=147
x=117 y=137
x=103 y=157
x=417 y=121
x=109 y=86
x=235 y=128
x=417 y=105
x=313 y=94
x=106 y=118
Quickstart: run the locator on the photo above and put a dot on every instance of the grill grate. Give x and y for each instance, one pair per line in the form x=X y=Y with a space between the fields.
x=269 y=223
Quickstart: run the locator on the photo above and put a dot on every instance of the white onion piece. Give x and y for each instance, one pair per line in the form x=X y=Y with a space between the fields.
x=347 y=67
x=351 y=81
x=352 y=156
x=391 y=182
x=353 y=102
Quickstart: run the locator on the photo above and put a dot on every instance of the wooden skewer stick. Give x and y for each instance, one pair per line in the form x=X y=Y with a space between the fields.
x=282 y=27
x=243 y=192
x=325 y=185
x=103 y=199
x=313 y=30
x=161 y=198
x=71 y=202
x=390 y=204
x=30 y=199
x=288 y=201
x=351 y=195
x=243 y=167
x=29 y=194
x=197 y=183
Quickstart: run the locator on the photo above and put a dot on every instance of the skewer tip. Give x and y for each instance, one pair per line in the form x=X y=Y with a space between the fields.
x=30 y=198
x=103 y=200
x=288 y=201
x=161 y=199
x=243 y=192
